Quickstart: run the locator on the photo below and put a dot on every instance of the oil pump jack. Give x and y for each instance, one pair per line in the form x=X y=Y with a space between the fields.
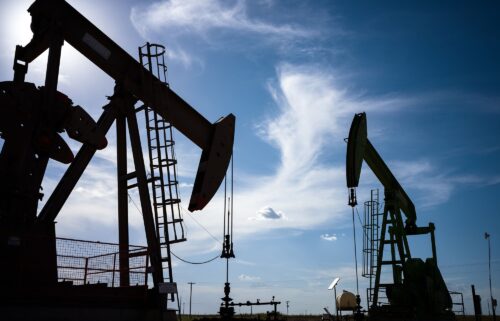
x=31 y=120
x=417 y=290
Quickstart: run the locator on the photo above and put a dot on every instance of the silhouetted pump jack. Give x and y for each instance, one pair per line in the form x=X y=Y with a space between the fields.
x=31 y=120
x=417 y=290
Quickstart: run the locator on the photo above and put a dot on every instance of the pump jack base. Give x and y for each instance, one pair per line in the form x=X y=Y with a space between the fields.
x=391 y=313
x=83 y=303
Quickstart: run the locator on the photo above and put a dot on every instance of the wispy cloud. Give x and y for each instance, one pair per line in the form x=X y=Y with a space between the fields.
x=432 y=184
x=203 y=17
x=186 y=59
x=238 y=25
x=307 y=189
x=248 y=278
x=473 y=102
x=313 y=117
x=314 y=113
x=243 y=262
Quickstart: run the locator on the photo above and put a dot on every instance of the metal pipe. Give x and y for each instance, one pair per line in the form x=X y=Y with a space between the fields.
x=493 y=305
x=123 y=236
x=85 y=271
x=114 y=269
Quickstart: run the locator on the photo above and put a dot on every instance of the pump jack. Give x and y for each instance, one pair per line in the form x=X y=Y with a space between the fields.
x=31 y=119
x=417 y=290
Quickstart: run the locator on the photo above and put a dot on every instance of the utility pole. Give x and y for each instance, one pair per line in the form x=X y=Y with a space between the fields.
x=493 y=301
x=287 y=305
x=190 y=297
x=477 y=304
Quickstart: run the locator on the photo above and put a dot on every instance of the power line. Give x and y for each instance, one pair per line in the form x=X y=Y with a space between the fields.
x=133 y=202
x=184 y=210
x=191 y=216
x=181 y=259
x=189 y=262
x=360 y=223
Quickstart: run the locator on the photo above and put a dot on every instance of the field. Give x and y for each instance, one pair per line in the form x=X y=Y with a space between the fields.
x=306 y=317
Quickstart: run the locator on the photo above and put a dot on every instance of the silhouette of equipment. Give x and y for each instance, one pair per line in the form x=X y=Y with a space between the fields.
x=31 y=122
x=417 y=290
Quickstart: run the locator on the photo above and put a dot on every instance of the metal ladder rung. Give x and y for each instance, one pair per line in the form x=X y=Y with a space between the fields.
x=174 y=241
x=134 y=185
x=163 y=127
x=168 y=202
x=170 y=183
x=175 y=220
x=140 y=108
x=129 y=176
x=169 y=161
x=153 y=178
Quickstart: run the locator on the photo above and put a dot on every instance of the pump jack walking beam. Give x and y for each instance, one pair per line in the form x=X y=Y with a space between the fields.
x=360 y=148
x=56 y=19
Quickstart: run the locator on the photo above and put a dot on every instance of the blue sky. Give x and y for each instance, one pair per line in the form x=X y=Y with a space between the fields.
x=294 y=73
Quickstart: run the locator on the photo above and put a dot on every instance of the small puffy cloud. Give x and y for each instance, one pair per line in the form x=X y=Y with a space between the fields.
x=248 y=278
x=268 y=213
x=329 y=237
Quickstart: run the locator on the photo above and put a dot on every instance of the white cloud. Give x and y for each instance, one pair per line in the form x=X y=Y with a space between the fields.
x=329 y=237
x=315 y=113
x=430 y=183
x=186 y=185
x=268 y=213
x=243 y=262
x=314 y=117
x=248 y=278
x=186 y=59
x=203 y=16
